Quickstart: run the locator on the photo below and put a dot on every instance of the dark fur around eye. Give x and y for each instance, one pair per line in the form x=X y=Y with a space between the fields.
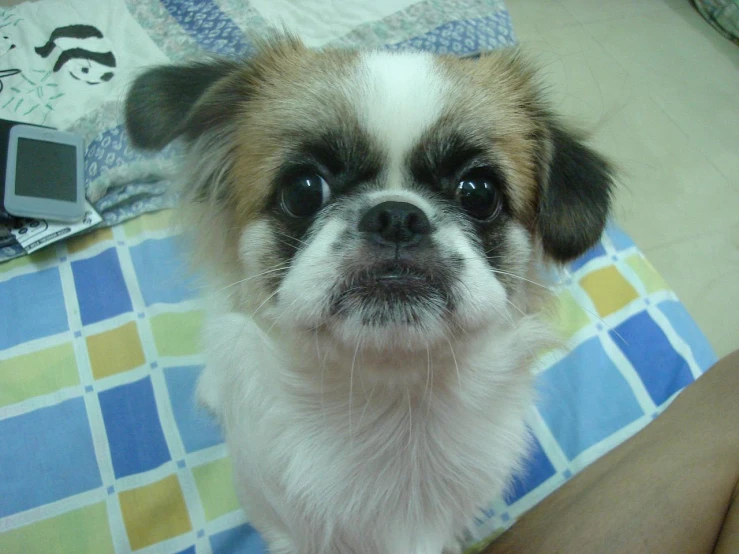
x=440 y=158
x=345 y=155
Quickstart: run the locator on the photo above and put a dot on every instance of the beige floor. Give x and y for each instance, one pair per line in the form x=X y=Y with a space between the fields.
x=659 y=88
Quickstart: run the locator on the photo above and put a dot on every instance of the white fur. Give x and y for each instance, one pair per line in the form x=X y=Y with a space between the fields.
x=350 y=440
x=398 y=96
x=326 y=464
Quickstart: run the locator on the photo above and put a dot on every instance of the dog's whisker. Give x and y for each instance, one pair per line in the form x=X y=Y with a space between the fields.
x=295 y=239
x=284 y=312
x=454 y=359
x=515 y=306
x=510 y=274
x=410 y=419
x=366 y=404
x=254 y=313
x=274 y=269
x=351 y=394
x=429 y=381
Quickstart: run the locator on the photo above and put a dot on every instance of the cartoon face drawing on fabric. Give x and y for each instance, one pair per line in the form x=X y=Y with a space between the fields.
x=7 y=73
x=83 y=53
x=6 y=44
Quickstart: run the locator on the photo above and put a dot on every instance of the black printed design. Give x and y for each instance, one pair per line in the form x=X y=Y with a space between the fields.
x=6 y=45
x=79 y=55
x=7 y=73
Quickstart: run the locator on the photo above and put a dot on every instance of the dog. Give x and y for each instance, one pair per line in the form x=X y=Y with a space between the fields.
x=371 y=225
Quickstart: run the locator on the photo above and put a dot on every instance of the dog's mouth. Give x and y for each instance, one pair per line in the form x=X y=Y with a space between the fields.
x=395 y=274
x=393 y=292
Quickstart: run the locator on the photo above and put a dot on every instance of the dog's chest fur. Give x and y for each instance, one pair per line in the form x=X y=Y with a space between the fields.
x=337 y=459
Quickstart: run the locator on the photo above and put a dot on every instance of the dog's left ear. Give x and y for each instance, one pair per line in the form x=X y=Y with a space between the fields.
x=575 y=195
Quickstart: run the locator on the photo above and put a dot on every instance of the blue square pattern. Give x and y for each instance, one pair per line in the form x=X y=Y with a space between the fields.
x=662 y=370
x=686 y=328
x=46 y=455
x=31 y=307
x=197 y=428
x=209 y=26
x=132 y=423
x=190 y=550
x=619 y=239
x=101 y=290
x=595 y=252
x=243 y=539
x=468 y=36
x=585 y=399
x=161 y=271
x=536 y=470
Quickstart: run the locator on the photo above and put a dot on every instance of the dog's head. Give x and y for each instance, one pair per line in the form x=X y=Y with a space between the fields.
x=391 y=198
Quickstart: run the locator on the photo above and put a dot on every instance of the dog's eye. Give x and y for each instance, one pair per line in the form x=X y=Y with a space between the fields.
x=478 y=196
x=305 y=195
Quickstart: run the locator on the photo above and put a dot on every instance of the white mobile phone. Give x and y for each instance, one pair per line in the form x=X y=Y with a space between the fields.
x=44 y=174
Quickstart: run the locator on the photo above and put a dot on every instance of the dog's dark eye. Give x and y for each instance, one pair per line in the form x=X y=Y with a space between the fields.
x=478 y=196
x=305 y=195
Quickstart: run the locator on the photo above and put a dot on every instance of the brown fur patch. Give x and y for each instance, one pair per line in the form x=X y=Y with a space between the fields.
x=495 y=102
x=291 y=86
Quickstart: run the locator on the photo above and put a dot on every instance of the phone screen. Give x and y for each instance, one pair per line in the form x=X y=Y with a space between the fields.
x=46 y=170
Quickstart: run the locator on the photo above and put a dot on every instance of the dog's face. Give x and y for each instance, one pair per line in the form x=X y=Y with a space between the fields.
x=383 y=199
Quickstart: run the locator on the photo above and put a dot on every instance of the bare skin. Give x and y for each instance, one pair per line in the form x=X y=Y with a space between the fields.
x=671 y=489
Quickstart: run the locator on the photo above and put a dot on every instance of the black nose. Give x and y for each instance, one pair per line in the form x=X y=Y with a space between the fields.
x=396 y=223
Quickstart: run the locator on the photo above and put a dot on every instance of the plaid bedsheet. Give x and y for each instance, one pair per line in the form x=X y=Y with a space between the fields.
x=103 y=449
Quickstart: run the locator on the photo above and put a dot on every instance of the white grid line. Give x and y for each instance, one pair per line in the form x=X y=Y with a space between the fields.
x=171 y=432
x=161 y=392
x=92 y=402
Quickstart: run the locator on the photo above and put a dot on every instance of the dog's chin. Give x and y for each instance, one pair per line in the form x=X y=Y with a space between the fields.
x=391 y=306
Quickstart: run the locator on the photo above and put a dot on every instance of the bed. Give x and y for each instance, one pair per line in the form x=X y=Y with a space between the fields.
x=103 y=449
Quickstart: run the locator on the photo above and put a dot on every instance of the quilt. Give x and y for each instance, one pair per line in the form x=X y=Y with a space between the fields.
x=104 y=451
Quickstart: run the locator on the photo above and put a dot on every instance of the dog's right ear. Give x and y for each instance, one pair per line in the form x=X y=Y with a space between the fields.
x=166 y=102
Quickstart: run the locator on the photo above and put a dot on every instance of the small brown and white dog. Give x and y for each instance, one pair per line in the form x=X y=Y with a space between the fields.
x=372 y=223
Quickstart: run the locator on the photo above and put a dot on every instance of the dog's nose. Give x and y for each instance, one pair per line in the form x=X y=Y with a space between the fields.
x=396 y=223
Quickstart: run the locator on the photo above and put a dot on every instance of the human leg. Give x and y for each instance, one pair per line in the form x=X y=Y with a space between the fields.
x=672 y=488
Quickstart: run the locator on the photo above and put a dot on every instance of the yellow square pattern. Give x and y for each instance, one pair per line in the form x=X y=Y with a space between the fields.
x=36 y=259
x=177 y=334
x=38 y=373
x=154 y=513
x=216 y=488
x=115 y=351
x=570 y=315
x=83 y=530
x=149 y=222
x=77 y=244
x=608 y=290
x=652 y=280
